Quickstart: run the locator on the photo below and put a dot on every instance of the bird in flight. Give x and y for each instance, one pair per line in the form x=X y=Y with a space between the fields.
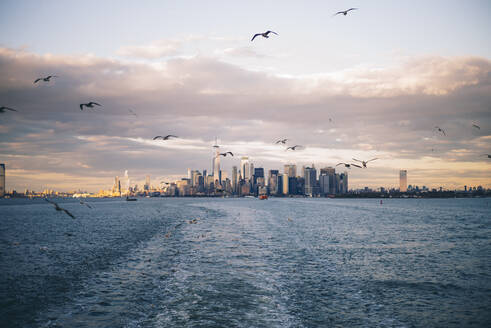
x=86 y=204
x=3 y=108
x=439 y=129
x=167 y=137
x=89 y=105
x=476 y=126
x=344 y=12
x=45 y=79
x=282 y=141
x=132 y=112
x=293 y=147
x=225 y=154
x=58 y=208
x=364 y=163
x=489 y=155
x=264 y=35
x=349 y=165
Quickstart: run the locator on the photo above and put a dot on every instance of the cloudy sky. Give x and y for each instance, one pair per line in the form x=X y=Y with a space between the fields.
x=385 y=75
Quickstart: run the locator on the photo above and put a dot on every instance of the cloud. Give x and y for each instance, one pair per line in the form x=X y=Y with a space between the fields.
x=156 y=49
x=376 y=112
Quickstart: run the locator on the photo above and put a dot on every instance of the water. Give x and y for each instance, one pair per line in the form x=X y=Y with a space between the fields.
x=246 y=263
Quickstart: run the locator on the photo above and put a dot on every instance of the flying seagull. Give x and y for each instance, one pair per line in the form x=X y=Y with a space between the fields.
x=86 y=204
x=132 y=112
x=167 y=137
x=264 y=35
x=364 y=163
x=345 y=12
x=89 y=105
x=489 y=155
x=45 y=79
x=225 y=154
x=439 y=129
x=476 y=126
x=294 y=147
x=349 y=165
x=58 y=208
x=3 y=108
x=282 y=141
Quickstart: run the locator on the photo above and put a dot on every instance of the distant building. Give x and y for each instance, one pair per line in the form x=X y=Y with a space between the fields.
x=285 y=184
x=343 y=183
x=310 y=180
x=235 y=178
x=146 y=186
x=244 y=168
x=403 y=180
x=2 y=180
x=331 y=173
x=324 y=185
x=258 y=173
x=291 y=170
x=216 y=166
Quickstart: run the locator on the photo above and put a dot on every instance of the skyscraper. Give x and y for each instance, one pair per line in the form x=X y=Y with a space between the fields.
x=285 y=184
x=146 y=186
x=251 y=177
x=216 y=165
x=258 y=173
x=310 y=176
x=244 y=167
x=403 y=180
x=331 y=173
x=2 y=180
x=234 y=179
x=291 y=170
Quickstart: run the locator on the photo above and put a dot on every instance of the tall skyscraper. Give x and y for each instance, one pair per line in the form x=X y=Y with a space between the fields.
x=331 y=173
x=258 y=173
x=251 y=177
x=291 y=170
x=146 y=186
x=310 y=176
x=216 y=165
x=234 y=179
x=403 y=180
x=285 y=184
x=2 y=180
x=244 y=168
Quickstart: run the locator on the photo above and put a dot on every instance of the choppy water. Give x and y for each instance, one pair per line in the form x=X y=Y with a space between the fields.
x=246 y=263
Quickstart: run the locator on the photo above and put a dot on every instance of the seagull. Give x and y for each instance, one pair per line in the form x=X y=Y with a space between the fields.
x=264 y=35
x=294 y=147
x=3 y=108
x=364 y=163
x=347 y=165
x=225 y=154
x=489 y=155
x=58 y=208
x=345 y=12
x=89 y=105
x=86 y=204
x=132 y=112
x=45 y=79
x=476 y=126
x=167 y=137
x=440 y=130
x=282 y=141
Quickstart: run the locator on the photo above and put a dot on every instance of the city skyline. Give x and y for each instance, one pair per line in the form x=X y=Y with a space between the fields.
x=174 y=73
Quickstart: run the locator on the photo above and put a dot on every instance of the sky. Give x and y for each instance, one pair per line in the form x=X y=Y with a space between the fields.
x=374 y=83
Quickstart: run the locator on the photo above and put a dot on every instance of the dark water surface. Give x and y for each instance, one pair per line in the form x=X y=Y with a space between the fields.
x=246 y=263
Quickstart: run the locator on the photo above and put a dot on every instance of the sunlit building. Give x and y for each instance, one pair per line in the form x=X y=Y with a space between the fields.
x=403 y=180
x=290 y=170
x=244 y=168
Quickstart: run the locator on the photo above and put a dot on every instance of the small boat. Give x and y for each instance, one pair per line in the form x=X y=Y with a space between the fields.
x=131 y=199
x=263 y=197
